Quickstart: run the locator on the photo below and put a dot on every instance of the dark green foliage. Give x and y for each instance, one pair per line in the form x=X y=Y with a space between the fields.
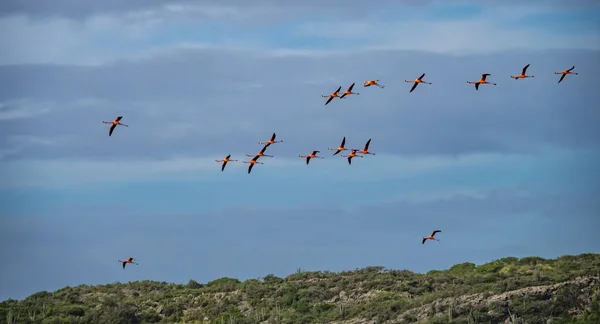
x=224 y=285
x=193 y=284
x=527 y=290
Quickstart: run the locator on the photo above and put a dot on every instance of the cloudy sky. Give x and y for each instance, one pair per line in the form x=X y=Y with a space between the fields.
x=509 y=170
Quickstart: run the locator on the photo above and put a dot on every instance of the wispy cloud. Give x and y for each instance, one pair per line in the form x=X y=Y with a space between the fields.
x=179 y=104
x=21 y=108
x=419 y=171
x=478 y=35
x=107 y=34
x=73 y=9
x=30 y=140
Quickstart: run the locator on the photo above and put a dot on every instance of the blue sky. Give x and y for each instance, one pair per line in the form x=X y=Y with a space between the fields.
x=510 y=170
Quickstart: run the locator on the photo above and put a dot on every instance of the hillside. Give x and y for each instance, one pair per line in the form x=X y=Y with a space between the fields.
x=528 y=290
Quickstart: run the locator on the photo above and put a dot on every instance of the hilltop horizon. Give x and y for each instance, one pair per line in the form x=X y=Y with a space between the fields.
x=302 y=270
x=529 y=289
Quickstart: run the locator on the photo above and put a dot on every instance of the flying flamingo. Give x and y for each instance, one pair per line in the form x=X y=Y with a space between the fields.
x=349 y=92
x=431 y=237
x=311 y=155
x=271 y=141
x=366 y=149
x=417 y=81
x=522 y=75
x=130 y=260
x=481 y=81
x=339 y=149
x=261 y=153
x=565 y=72
x=351 y=155
x=373 y=82
x=225 y=160
x=252 y=163
x=333 y=95
x=114 y=123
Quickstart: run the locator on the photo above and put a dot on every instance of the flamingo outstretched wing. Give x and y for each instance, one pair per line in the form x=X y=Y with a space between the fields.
x=367 y=145
x=414 y=87
x=562 y=77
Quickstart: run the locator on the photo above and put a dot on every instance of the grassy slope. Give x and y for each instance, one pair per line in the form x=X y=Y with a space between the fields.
x=533 y=289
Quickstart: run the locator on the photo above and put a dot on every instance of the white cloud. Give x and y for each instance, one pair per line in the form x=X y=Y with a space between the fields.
x=457 y=191
x=480 y=35
x=26 y=141
x=221 y=11
x=65 y=41
x=8 y=152
x=75 y=9
x=106 y=37
x=66 y=172
x=181 y=104
x=22 y=108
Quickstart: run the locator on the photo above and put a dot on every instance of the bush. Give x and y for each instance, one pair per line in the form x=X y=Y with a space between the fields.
x=322 y=297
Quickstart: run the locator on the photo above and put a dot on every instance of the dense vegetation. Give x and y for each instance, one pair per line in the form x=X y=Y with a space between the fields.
x=526 y=290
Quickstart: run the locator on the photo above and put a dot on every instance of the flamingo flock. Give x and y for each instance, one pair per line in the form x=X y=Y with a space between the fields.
x=375 y=82
x=255 y=157
x=354 y=153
